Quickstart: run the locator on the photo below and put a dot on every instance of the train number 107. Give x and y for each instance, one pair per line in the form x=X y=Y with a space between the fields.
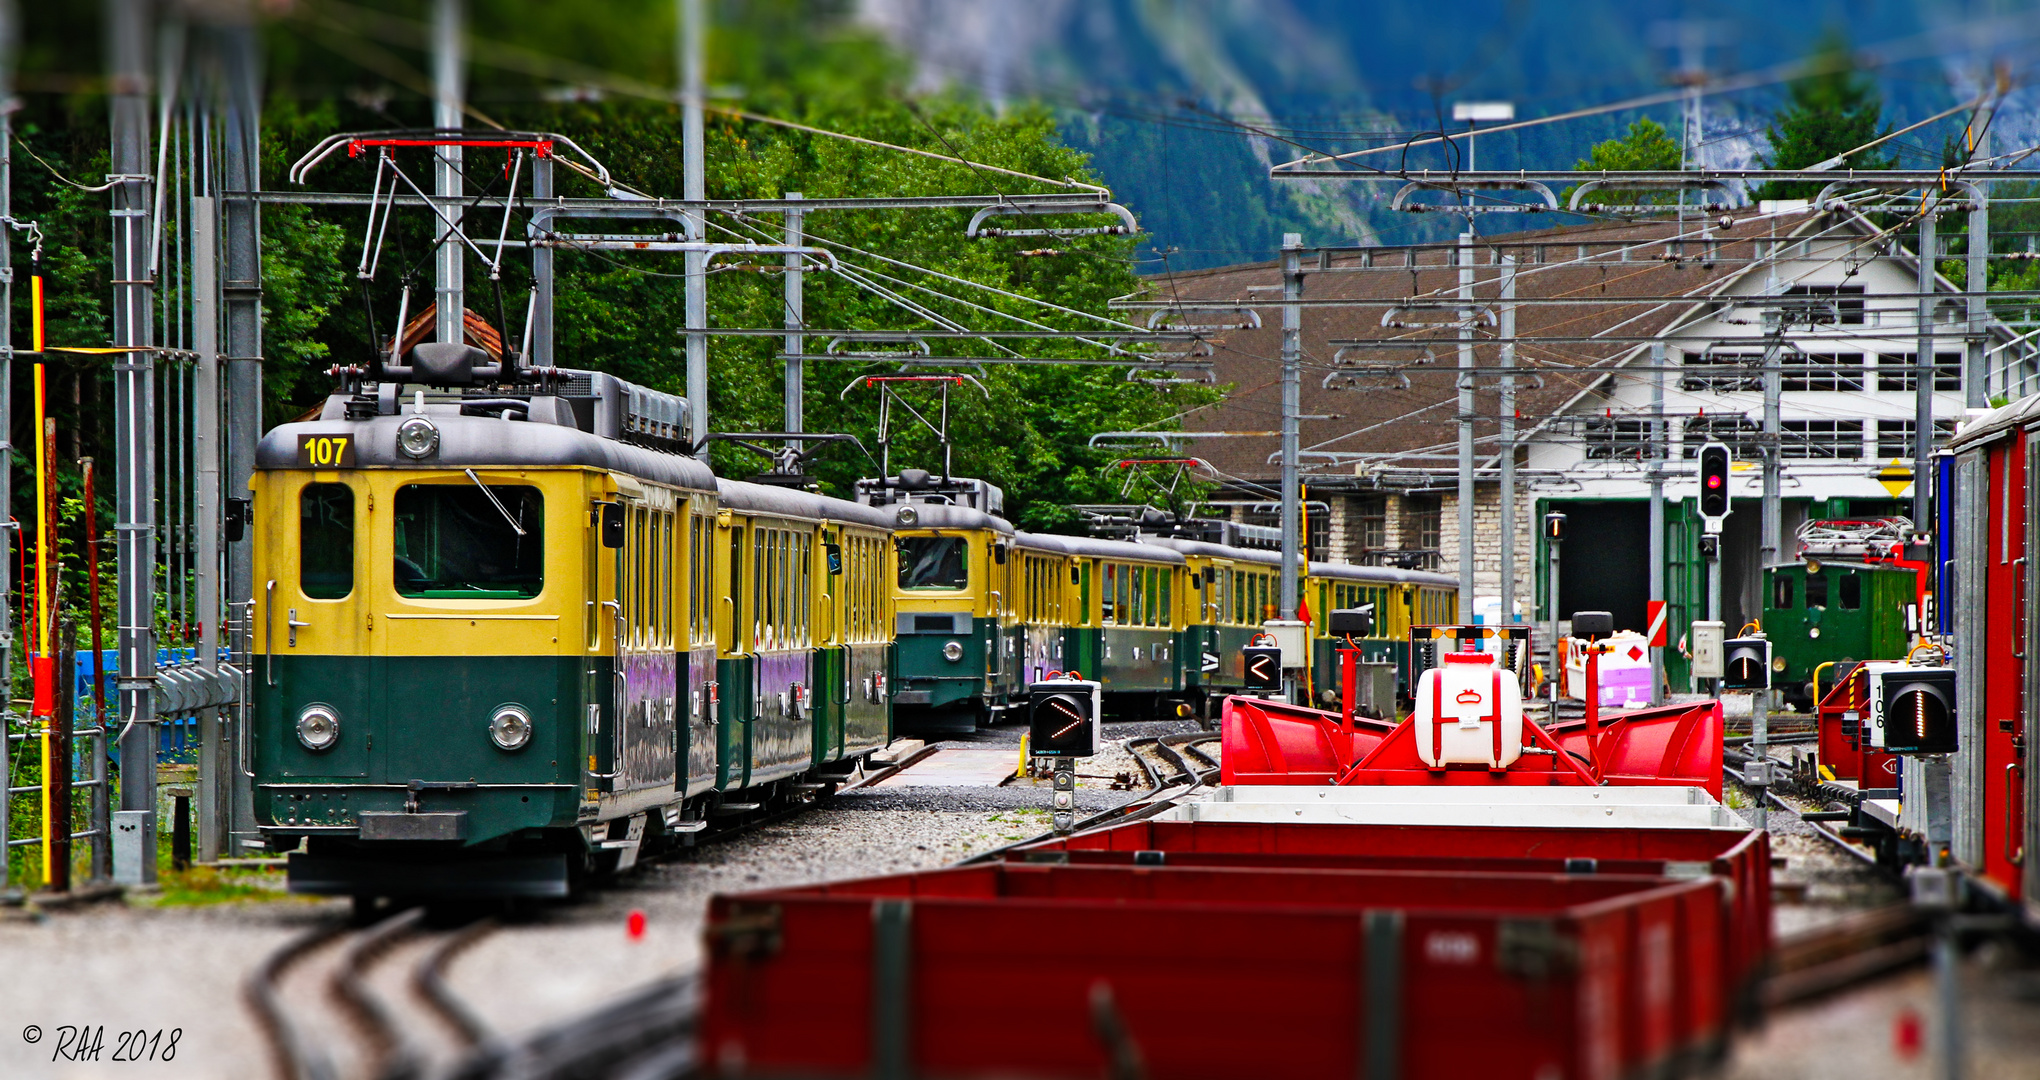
x=326 y=451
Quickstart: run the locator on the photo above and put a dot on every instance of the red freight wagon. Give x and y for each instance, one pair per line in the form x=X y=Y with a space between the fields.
x=1219 y=972
x=1740 y=856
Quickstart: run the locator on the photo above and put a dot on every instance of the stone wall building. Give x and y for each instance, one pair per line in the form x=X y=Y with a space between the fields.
x=1595 y=303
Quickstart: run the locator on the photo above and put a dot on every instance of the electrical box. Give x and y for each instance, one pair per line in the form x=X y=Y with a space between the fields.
x=1746 y=664
x=1706 y=641
x=1292 y=637
x=1062 y=717
x=1912 y=709
x=1264 y=669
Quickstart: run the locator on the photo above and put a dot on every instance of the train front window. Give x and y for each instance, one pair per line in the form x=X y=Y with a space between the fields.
x=455 y=542
x=326 y=541
x=934 y=562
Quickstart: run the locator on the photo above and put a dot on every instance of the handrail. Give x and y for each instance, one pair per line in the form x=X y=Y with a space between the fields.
x=269 y=633
x=2017 y=856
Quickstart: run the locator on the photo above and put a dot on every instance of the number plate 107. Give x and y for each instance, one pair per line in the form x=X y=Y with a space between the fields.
x=325 y=451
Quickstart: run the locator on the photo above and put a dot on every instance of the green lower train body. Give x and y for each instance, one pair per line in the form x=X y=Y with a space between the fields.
x=414 y=797
x=1146 y=672
x=1831 y=611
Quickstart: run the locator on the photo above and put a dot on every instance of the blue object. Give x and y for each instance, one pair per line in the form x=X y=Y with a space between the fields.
x=176 y=737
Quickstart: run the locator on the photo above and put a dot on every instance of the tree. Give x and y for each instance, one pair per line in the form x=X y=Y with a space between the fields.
x=1832 y=111
x=1646 y=146
x=1029 y=428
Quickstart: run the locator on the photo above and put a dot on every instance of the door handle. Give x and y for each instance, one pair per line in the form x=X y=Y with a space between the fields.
x=294 y=624
x=2014 y=855
x=269 y=633
x=2018 y=608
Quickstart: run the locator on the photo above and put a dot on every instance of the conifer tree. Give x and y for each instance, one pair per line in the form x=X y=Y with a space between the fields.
x=1833 y=110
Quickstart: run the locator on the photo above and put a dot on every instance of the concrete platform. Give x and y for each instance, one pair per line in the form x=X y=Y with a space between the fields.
x=953 y=766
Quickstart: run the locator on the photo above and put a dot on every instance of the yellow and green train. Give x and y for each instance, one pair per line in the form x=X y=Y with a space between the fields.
x=509 y=636
x=984 y=610
x=520 y=630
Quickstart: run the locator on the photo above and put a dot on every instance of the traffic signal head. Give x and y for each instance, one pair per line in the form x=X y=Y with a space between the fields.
x=1352 y=622
x=1710 y=546
x=1062 y=718
x=1264 y=669
x=1913 y=709
x=1714 y=480
x=1554 y=526
x=1747 y=663
x=1592 y=624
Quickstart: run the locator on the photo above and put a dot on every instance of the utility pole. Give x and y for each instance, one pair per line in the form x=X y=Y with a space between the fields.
x=1655 y=470
x=1292 y=369
x=241 y=310
x=134 y=393
x=1975 y=370
x=215 y=767
x=1508 y=435
x=448 y=93
x=694 y=186
x=1772 y=539
x=10 y=47
x=1466 y=492
x=1923 y=373
x=795 y=322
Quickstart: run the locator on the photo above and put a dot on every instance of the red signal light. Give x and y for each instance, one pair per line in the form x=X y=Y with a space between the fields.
x=1714 y=481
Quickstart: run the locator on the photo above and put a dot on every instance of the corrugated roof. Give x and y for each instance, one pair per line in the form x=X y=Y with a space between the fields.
x=1388 y=419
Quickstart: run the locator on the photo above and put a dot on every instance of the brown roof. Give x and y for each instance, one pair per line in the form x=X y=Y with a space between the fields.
x=1386 y=418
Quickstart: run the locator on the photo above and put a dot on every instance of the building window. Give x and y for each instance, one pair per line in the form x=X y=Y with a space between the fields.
x=1617 y=440
x=1827 y=304
x=1895 y=437
x=1423 y=522
x=1370 y=524
x=1895 y=371
x=1821 y=439
x=1739 y=433
x=1822 y=371
x=1317 y=536
x=1723 y=371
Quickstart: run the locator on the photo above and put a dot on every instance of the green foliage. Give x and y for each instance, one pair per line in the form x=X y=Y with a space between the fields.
x=1024 y=428
x=1834 y=110
x=1645 y=146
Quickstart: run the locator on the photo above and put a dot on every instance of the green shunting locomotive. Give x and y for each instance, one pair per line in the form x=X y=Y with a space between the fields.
x=1857 y=591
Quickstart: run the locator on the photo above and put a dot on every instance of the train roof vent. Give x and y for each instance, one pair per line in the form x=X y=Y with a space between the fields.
x=627 y=412
x=1862 y=538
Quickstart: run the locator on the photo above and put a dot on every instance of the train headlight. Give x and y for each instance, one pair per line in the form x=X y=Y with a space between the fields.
x=953 y=651
x=510 y=727
x=418 y=437
x=318 y=727
x=908 y=517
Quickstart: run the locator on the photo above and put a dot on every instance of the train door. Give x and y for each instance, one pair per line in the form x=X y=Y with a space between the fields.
x=995 y=621
x=644 y=729
x=699 y=673
x=733 y=665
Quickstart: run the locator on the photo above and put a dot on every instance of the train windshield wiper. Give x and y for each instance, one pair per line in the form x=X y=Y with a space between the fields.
x=493 y=501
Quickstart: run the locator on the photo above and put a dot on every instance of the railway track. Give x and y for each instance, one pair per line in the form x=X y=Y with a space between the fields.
x=1851 y=951
x=322 y=987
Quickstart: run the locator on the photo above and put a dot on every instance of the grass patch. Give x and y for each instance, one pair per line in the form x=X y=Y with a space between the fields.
x=201 y=886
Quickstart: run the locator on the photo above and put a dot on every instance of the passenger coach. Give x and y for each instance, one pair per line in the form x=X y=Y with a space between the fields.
x=509 y=636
